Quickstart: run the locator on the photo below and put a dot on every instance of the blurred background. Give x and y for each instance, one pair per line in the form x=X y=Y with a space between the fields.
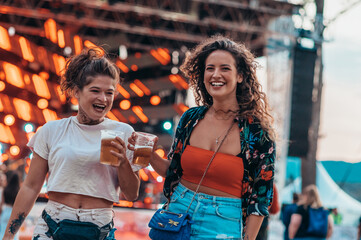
x=310 y=58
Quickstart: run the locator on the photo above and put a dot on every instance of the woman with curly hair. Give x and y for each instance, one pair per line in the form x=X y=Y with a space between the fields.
x=231 y=106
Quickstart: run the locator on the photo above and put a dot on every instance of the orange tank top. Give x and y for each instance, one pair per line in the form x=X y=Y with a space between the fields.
x=224 y=174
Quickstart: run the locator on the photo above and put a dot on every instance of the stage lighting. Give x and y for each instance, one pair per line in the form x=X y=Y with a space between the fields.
x=167 y=125
x=29 y=127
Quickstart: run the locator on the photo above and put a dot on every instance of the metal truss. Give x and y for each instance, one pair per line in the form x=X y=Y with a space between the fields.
x=145 y=24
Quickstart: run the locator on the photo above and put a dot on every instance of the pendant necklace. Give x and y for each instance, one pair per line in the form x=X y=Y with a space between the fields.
x=217 y=138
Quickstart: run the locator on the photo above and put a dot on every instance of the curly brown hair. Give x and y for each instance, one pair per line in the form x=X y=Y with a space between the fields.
x=251 y=99
x=80 y=69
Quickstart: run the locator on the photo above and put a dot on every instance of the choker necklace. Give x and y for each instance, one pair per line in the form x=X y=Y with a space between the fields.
x=224 y=115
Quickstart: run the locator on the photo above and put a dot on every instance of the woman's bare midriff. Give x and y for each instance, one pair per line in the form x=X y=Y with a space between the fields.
x=206 y=190
x=79 y=201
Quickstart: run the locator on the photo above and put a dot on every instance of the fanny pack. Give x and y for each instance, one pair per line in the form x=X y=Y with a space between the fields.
x=75 y=230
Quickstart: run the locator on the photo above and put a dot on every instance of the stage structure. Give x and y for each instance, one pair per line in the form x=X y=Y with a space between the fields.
x=147 y=39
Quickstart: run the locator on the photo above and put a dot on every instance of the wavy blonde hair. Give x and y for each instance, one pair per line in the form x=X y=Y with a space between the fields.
x=311 y=197
x=251 y=99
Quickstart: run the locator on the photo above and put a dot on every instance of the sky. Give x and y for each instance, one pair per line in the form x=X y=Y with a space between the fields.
x=340 y=127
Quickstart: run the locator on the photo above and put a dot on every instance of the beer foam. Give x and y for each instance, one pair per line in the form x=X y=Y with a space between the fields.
x=111 y=134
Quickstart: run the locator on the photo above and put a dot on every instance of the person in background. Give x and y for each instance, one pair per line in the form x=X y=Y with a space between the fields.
x=286 y=212
x=7 y=201
x=300 y=219
x=274 y=209
x=336 y=216
x=223 y=76
x=80 y=188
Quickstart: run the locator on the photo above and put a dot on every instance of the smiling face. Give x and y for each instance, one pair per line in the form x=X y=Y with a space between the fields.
x=95 y=99
x=221 y=76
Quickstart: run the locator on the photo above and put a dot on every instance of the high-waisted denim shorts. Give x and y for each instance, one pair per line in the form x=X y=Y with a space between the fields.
x=58 y=211
x=214 y=217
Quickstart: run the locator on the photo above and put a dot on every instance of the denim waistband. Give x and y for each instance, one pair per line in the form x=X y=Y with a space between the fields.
x=188 y=193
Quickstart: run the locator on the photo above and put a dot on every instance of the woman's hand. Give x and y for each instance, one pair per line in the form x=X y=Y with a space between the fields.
x=132 y=139
x=119 y=144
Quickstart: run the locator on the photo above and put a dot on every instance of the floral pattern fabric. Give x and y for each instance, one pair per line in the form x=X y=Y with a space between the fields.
x=257 y=152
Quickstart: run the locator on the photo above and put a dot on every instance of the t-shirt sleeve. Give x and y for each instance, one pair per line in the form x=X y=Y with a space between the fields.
x=39 y=142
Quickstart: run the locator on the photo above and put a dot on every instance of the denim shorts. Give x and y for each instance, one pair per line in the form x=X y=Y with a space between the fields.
x=58 y=212
x=214 y=217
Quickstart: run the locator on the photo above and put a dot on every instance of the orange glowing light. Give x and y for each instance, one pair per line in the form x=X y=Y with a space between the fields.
x=155 y=100
x=61 y=38
x=44 y=75
x=27 y=79
x=134 y=67
x=143 y=175
x=41 y=87
x=25 y=49
x=50 y=30
x=4 y=157
x=142 y=87
x=59 y=63
x=29 y=135
x=136 y=89
x=74 y=101
x=138 y=55
x=49 y=115
x=181 y=81
x=139 y=112
x=14 y=150
x=2 y=86
x=123 y=92
x=42 y=103
x=122 y=66
x=78 y=44
x=4 y=39
x=89 y=44
x=23 y=109
x=1 y=106
x=125 y=104
x=183 y=107
x=112 y=116
x=2 y=75
x=132 y=119
x=160 y=152
x=61 y=95
x=13 y=75
x=123 y=203
x=164 y=53
x=9 y=120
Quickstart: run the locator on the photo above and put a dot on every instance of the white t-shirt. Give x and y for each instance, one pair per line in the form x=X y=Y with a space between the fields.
x=73 y=153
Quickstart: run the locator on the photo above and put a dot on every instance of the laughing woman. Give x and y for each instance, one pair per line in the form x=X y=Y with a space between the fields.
x=222 y=74
x=80 y=188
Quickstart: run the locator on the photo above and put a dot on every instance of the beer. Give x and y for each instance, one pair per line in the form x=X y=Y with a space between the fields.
x=143 y=148
x=106 y=157
x=142 y=155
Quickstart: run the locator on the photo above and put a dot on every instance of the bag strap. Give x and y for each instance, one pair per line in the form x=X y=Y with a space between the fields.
x=53 y=226
x=210 y=161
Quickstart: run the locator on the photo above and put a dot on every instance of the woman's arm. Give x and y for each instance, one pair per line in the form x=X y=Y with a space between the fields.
x=253 y=225
x=129 y=181
x=159 y=164
x=27 y=195
x=295 y=224
x=330 y=226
